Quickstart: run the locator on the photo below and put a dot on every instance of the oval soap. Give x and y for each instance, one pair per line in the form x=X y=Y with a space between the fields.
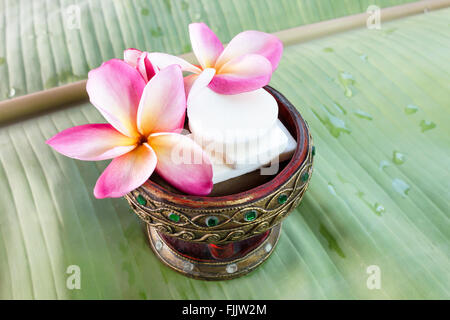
x=231 y=119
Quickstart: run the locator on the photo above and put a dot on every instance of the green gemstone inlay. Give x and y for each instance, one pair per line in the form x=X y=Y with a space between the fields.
x=212 y=221
x=313 y=151
x=251 y=215
x=305 y=176
x=282 y=199
x=174 y=217
x=141 y=200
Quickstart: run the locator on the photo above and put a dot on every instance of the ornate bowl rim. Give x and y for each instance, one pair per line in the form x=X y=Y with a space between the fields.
x=301 y=134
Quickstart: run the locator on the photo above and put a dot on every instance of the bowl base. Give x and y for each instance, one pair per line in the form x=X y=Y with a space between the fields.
x=213 y=262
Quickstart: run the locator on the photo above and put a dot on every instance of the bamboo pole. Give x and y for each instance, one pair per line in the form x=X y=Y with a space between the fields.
x=325 y=28
x=23 y=106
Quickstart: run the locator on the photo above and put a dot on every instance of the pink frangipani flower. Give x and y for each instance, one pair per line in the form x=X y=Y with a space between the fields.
x=245 y=64
x=141 y=135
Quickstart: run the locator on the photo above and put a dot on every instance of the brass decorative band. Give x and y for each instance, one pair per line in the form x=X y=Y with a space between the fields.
x=213 y=270
x=231 y=223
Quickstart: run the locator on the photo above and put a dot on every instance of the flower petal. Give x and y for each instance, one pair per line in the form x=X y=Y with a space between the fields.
x=201 y=82
x=242 y=74
x=162 y=60
x=145 y=67
x=92 y=142
x=115 y=89
x=189 y=82
x=163 y=102
x=205 y=44
x=254 y=42
x=182 y=163
x=126 y=173
x=131 y=56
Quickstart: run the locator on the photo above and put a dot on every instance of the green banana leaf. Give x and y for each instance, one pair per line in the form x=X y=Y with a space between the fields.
x=48 y=43
x=377 y=105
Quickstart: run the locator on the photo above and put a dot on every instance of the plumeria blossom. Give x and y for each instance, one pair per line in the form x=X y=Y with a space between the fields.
x=141 y=136
x=245 y=64
x=139 y=60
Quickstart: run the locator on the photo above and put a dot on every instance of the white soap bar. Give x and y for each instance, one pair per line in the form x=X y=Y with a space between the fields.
x=231 y=119
x=223 y=172
x=257 y=151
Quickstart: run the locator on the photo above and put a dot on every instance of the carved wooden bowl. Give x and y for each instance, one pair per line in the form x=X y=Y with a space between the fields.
x=236 y=227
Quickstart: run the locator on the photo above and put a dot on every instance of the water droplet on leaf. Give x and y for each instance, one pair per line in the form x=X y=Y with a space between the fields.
x=401 y=187
x=347 y=81
x=426 y=125
x=331 y=189
x=335 y=125
x=363 y=115
x=383 y=164
x=398 y=158
x=411 y=109
x=378 y=209
x=339 y=107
